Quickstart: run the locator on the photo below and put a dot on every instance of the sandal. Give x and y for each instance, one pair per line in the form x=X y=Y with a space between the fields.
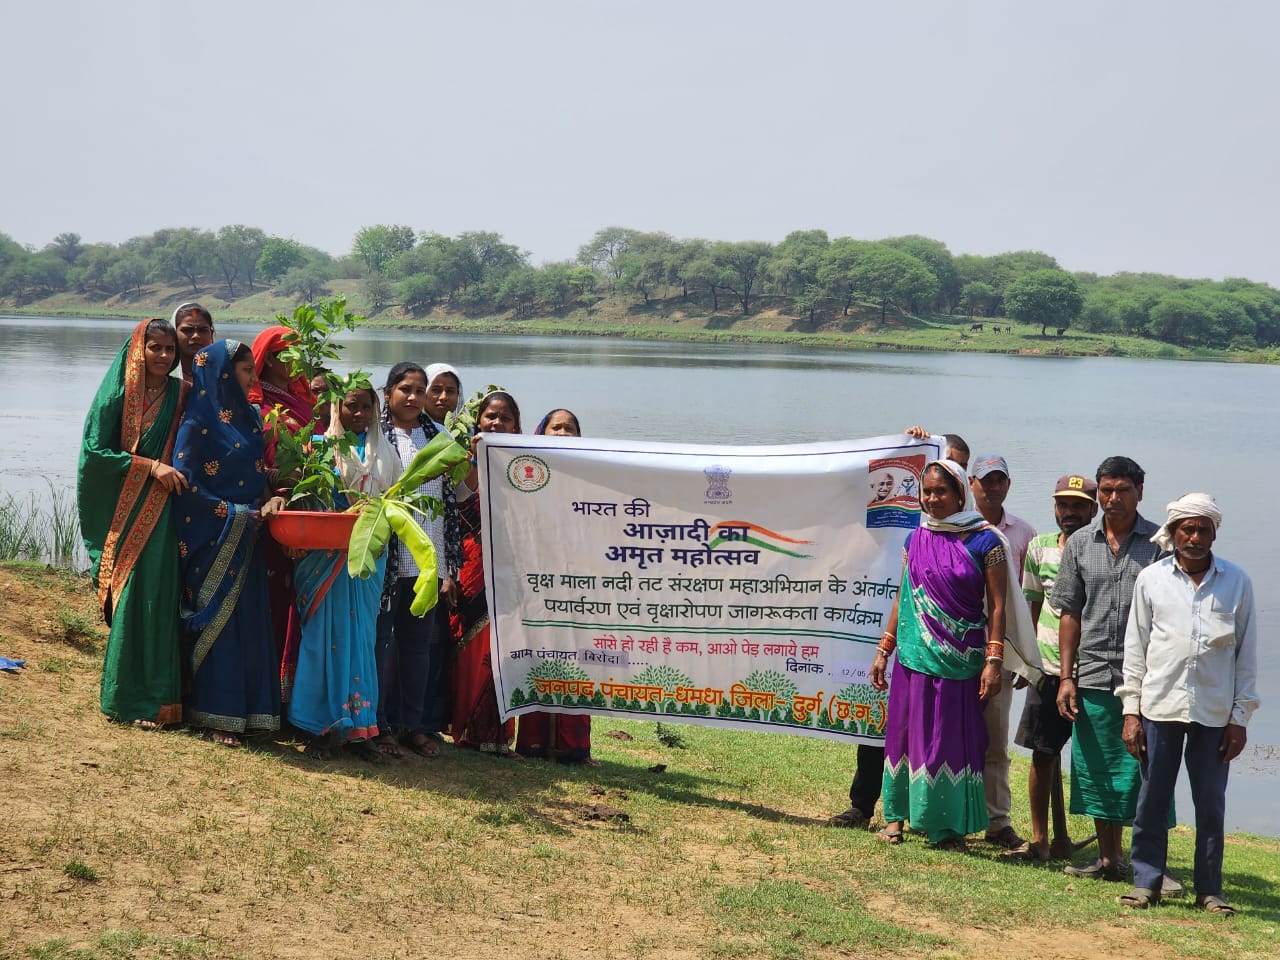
x=223 y=738
x=387 y=746
x=1139 y=898
x=1027 y=853
x=890 y=835
x=1218 y=905
x=853 y=817
x=423 y=744
x=1006 y=837
x=952 y=845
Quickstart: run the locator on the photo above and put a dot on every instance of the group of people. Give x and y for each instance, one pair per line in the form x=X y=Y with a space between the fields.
x=215 y=624
x=1135 y=641
x=1144 y=648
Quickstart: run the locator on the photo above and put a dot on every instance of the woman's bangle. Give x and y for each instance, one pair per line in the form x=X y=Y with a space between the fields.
x=152 y=471
x=883 y=652
x=995 y=659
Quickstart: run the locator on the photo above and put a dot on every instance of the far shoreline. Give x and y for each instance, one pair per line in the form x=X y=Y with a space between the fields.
x=921 y=336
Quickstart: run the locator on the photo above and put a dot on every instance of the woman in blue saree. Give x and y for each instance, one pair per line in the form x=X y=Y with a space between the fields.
x=335 y=687
x=229 y=647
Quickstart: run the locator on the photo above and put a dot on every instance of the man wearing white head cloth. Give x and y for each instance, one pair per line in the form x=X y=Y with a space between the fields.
x=1190 y=666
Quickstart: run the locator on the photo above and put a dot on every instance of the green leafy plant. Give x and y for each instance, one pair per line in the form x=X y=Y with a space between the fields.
x=307 y=462
x=304 y=462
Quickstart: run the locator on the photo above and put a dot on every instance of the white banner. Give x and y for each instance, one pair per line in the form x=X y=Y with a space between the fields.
x=738 y=587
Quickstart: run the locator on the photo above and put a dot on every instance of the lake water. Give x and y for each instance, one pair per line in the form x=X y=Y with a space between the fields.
x=1192 y=426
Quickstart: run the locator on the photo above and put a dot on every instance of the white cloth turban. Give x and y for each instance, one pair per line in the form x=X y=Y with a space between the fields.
x=1188 y=505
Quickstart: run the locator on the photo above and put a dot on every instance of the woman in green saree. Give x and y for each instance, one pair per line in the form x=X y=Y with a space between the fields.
x=123 y=486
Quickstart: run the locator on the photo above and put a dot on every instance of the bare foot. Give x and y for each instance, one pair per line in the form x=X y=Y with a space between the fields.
x=223 y=737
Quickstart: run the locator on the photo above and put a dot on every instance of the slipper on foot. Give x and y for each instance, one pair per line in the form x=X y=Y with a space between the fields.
x=853 y=817
x=1006 y=837
x=890 y=836
x=1027 y=853
x=1218 y=905
x=1139 y=898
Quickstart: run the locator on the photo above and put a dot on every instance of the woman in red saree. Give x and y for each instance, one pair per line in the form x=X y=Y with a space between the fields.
x=292 y=396
x=475 y=721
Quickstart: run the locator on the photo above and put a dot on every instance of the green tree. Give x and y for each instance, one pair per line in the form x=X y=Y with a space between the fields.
x=184 y=254
x=33 y=277
x=66 y=247
x=793 y=268
x=646 y=264
x=279 y=255
x=10 y=250
x=604 y=252
x=890 y=276
x=379 y=292
x=375 y=246
x=517 y=290
x=125 y=275
x=308 y=283
x=934 y=255
x=1050 y=298
x=836 y=269
x=741 y=266
x=418 y=293
x=978 y=298
x=236 y=251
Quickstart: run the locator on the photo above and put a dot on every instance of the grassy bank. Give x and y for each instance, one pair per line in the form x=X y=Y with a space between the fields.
x=122 y=843
x=680 y=320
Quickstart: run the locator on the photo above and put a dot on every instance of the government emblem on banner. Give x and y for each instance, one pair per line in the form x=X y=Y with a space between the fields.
x=718 y=484
x=528 y=473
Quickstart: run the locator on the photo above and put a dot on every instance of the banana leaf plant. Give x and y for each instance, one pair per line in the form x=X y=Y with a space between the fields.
x=396 y=512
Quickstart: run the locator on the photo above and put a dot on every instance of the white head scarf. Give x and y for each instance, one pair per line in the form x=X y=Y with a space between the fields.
x=1021 y=655
x=1187 y=505
x=381 y=465
x=435 y=370
x=966 y=518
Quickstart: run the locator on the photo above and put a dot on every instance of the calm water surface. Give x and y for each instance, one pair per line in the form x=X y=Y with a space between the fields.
x=1201 y=426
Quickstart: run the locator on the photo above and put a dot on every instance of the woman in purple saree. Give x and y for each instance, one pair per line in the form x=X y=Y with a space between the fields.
x=952 y=598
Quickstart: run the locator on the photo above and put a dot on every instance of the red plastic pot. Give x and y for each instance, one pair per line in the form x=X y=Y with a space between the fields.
x=311 y=530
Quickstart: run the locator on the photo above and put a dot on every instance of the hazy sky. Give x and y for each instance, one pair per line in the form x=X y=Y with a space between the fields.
x=1113 y=135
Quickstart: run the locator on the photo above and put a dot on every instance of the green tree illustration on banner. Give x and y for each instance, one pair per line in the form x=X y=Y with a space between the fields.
x=781 y=686
x=660 y=675
x=554 y=670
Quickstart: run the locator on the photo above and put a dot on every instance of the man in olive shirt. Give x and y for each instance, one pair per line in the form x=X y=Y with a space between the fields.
x=1093 y=592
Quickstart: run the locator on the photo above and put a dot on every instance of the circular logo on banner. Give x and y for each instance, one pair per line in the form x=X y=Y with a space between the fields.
x=528 y=474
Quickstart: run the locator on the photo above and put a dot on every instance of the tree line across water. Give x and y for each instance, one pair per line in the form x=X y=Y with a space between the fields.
x=478 y=273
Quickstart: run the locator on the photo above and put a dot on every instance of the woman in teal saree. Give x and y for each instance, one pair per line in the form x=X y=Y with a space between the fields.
x=123 y=490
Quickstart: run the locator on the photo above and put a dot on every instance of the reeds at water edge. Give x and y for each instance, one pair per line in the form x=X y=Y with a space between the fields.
x=46 y=529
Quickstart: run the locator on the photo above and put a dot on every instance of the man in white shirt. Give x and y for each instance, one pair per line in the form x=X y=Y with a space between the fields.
x=989 y=481
x=1190 y=667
